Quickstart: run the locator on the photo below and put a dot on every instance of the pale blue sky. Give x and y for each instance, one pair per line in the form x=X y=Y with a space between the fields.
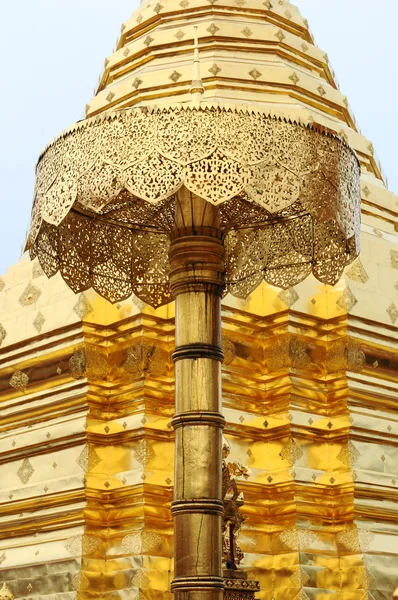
x=53 y=52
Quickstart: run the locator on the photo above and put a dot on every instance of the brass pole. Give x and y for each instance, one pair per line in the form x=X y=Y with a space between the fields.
x=197 y=282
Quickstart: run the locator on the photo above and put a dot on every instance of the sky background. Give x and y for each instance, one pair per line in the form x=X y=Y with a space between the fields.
x=53 y=53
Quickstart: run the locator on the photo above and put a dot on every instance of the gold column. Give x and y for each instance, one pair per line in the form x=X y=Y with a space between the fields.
x=197 y=281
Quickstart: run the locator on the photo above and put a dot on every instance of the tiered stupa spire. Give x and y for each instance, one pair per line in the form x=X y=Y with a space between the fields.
x=87 y=389
x=254 y=53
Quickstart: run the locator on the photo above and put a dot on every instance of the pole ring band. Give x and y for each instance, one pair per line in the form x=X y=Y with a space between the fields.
x=198 y=582
x=211 y=507
x=196 y=351
x=198 y=418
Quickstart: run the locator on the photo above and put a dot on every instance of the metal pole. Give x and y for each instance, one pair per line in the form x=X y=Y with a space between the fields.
x=197 y=282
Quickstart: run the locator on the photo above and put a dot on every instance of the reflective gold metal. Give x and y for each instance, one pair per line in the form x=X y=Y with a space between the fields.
x=310 y=377
x=106 y=195
x=188 y=203
x=197 y=283
x=238 y=586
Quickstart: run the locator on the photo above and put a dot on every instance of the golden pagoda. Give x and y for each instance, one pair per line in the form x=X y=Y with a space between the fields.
x=309 y=379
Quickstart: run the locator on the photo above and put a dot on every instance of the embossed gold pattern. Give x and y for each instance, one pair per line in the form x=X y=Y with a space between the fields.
x=144 y=453
x=291 y=452
x=345 y=354
x=39 y=321
x=355 y=539
x=141 y=542
x=290 y=351
x=357 y=272
x=87 y=362
x=25 y=471
x=348 y=454
x=83 y=307
x=19 y=380
x=88 y=459
x=229 y=350
x=347 y=300
x=80 y=582
x=144 y=358
x=3 y=334
x=30 y=295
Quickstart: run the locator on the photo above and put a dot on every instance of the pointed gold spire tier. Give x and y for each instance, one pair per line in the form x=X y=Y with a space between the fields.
x=252 y=52
x=5 y=593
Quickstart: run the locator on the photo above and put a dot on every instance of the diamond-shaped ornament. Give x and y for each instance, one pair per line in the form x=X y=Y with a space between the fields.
x=39 y=322
x=357 y=272
x=255 y=74
x=83 y=307
x=3 y=334
x=289 y=297
x=347 y=300
x=214 y=70
x=392 y=311
x=25 y=471
x=213 y=29
x=30 y=295
x=175 y=76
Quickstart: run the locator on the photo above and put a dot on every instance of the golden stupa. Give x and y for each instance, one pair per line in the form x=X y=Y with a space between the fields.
x=309 y=379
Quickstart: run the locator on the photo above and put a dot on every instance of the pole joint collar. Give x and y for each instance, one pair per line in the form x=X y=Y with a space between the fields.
x=199 y=582
x=200 y=505
x=198 y=418
x=199 y=350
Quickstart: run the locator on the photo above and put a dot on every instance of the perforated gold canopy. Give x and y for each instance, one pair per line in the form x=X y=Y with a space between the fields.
x=106 y=191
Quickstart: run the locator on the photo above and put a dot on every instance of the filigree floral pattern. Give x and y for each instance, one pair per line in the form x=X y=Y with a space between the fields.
x=107 y=188
x=143 y=358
